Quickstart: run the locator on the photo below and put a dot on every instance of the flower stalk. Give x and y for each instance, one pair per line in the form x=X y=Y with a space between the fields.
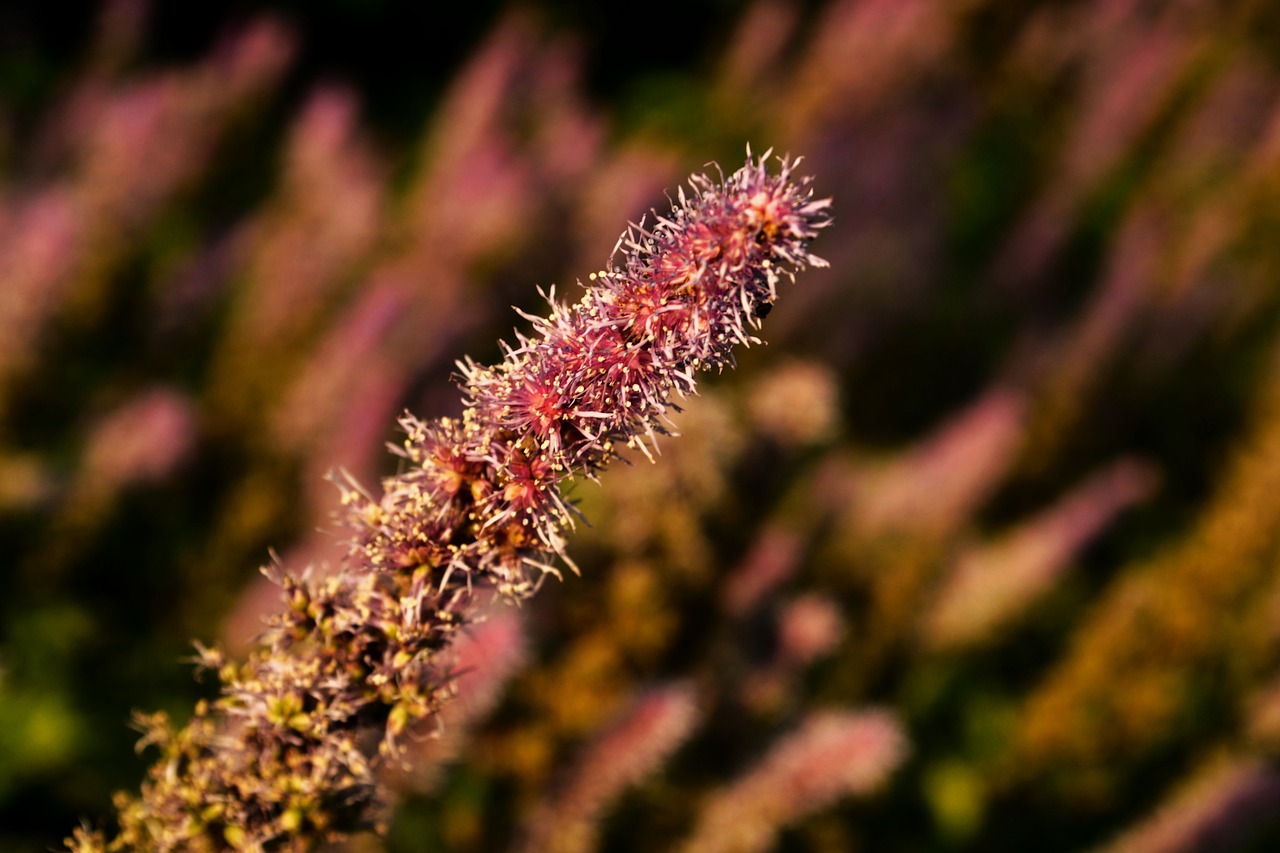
x=286 y=756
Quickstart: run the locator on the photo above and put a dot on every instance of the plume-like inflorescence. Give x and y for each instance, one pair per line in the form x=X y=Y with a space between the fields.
x=286 y=756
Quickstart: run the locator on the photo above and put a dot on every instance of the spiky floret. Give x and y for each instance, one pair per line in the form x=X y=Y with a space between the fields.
x=688 y=289
x=284 y=758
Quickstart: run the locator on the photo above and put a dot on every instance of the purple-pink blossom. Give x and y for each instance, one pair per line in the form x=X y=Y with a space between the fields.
x=287 y=755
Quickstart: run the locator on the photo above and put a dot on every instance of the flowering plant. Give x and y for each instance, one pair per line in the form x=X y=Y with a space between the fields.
x=286 y=756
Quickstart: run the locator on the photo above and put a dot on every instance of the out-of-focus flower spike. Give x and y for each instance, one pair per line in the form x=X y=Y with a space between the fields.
x=1215 y=810
x=992 y=583
x=831 y=755
x=637 y=742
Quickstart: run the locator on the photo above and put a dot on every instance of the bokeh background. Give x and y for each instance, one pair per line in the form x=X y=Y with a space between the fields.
x=981 y=552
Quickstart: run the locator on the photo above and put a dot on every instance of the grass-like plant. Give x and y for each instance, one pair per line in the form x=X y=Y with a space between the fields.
x=287 y=756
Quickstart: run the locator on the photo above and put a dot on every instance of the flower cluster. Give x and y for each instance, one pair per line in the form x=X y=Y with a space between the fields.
x=285 y=756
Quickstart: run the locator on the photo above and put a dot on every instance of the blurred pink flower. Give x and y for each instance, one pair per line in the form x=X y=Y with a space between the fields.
x=832 y=754
x=629 y=748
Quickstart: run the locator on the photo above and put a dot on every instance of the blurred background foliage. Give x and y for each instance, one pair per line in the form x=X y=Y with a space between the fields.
x=982 y=552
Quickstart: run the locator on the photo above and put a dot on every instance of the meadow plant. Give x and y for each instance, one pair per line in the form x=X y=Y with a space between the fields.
x=287 y=756
x=630 y=747
x=830 y=754
x=1018 y=489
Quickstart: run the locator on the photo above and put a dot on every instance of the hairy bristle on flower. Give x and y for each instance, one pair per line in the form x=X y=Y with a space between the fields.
x=286 y=756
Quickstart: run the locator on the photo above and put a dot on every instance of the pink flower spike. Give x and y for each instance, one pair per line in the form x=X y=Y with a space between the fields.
x=360 y=660
x=832 y=754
